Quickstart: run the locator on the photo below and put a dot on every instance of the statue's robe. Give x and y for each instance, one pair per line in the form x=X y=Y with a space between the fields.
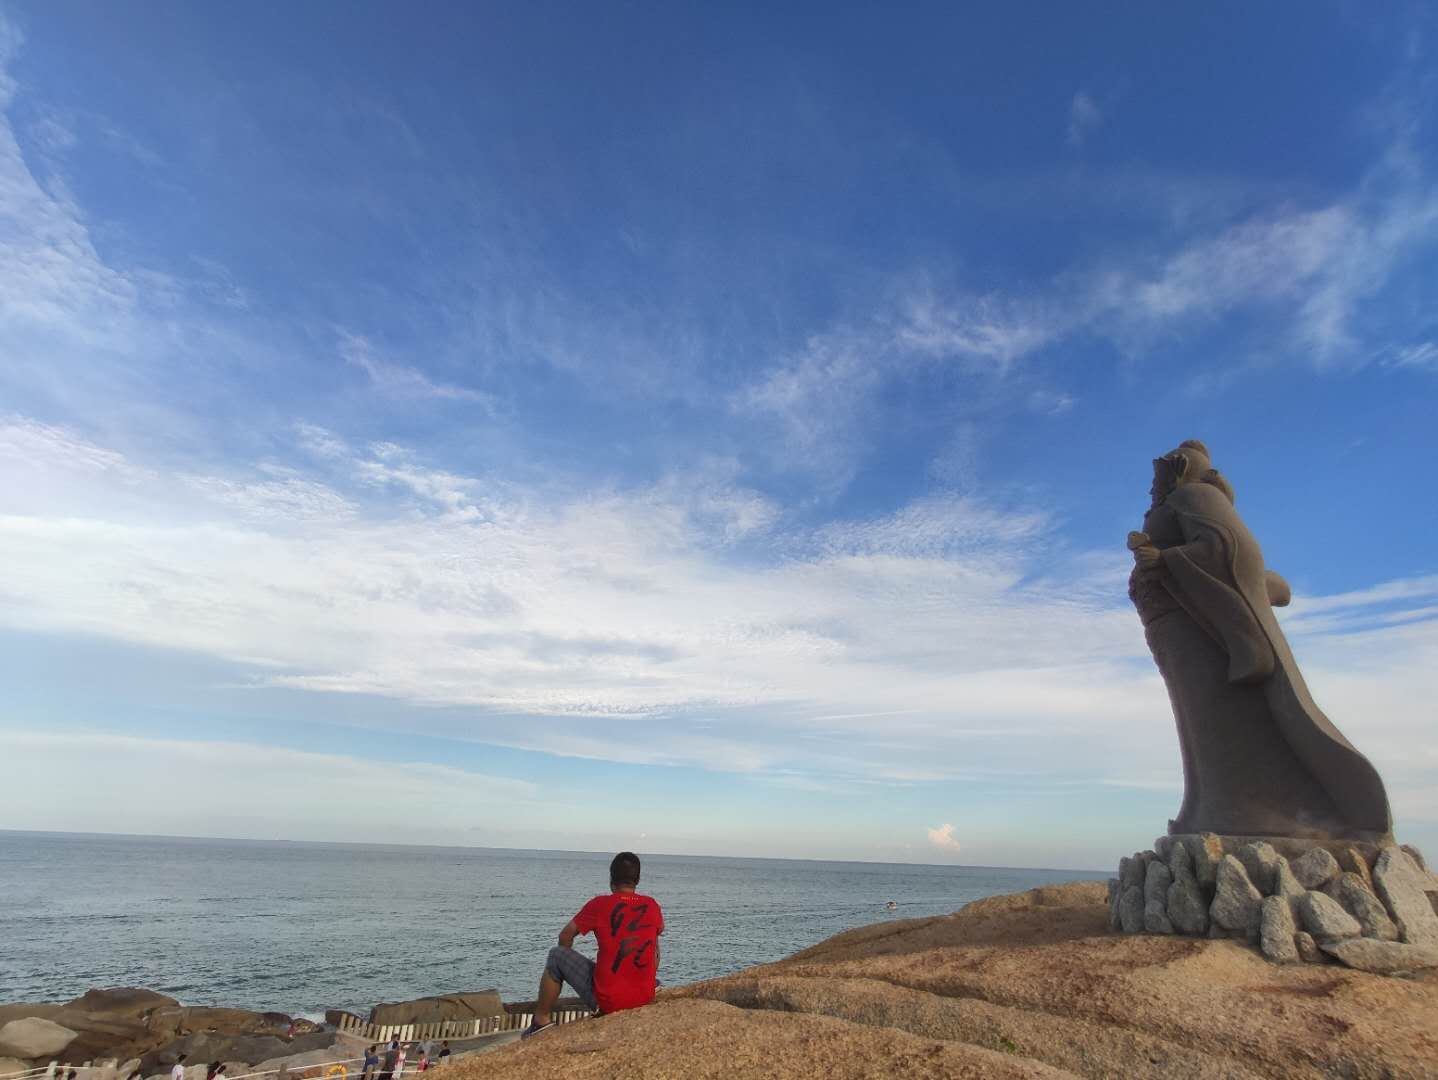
x=1259 y=756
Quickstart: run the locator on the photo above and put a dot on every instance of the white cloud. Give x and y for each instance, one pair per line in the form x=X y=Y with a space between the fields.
x=399 y=381
x=1084 y=118
x=1424 y=355
x=943 y=838
x=936 y=643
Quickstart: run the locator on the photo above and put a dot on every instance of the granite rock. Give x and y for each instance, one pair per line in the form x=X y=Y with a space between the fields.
x=1180 y=863
x=1285 y=884
x=1206 y=851
x=1130 y=910
x=1155 y=918
x=1187 y=909
x=1114 y=923
x=1324 y=918
x=1383 y=957
x=1235 y=901
x=1130 y=872
x=1416 y=855
x=1156 y=881
x=1277 y=929
x=1352 y=860
x=1348 y=890
x=1315 y=869
x=1261 y=861
x=34 y=1037
x=1400 y=884
x=1308 y=950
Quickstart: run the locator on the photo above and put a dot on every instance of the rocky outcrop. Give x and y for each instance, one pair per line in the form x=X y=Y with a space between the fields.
x=1032 y=984
x=1401 y=883
x=428 y=1010
x=1324 y=894
x=34 y=1037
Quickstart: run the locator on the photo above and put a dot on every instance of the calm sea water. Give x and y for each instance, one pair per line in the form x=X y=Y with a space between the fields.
x=302 y=927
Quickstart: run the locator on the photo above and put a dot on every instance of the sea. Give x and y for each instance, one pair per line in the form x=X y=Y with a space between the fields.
x=303 y=927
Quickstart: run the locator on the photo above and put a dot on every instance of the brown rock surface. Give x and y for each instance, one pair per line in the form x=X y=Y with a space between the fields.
x=1033 y=981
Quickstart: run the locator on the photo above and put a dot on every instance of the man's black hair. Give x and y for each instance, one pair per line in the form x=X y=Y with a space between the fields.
x=624 y=870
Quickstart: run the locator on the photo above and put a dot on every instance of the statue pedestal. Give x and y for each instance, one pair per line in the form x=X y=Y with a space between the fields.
x=1373 y=906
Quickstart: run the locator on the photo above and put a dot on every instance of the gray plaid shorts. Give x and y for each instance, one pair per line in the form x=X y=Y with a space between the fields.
x=576 y=969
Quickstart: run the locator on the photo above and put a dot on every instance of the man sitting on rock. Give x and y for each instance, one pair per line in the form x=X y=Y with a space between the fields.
x=627 y=925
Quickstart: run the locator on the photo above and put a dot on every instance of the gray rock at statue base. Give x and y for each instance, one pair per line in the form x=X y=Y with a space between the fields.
x=1285 y=884
x=1315 y=869
x=1348 y=890
x=1383 y=957
x=35 y=1037
x=1155 y=918
x=1235 y=901
x=1324 y=918
x=1180 y=863
x=1277 y=929
x=1187 y=909
x=1308 y=950
x=1400 y=883
x=1130 y=910
x=10 y=1065
x=1162 y=847
x=1416 y=855
x=1114 y=923
x=1205 y=851
x=1130 y=872
x=1352 y=860
x=1156 y=881
x=1261 y=861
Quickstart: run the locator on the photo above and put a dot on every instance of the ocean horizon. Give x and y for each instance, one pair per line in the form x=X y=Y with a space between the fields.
x=300 y=926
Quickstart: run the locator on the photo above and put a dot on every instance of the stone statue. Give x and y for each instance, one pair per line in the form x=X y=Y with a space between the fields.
x=1259 y=757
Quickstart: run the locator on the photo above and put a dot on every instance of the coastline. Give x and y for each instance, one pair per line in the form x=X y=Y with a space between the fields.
x=1029 y=984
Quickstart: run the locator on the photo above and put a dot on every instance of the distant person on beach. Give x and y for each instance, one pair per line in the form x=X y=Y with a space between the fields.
x=423 y=1063
x=178 y=1072
x=391 y=1055
x=443 y=1052
x=627 y=925
x=399 y=1061
x=371 y=1063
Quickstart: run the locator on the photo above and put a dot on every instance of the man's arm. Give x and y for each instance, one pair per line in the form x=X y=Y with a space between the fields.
x=568 y=934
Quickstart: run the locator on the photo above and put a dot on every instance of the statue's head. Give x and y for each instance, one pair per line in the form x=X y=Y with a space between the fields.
x=1189 y=464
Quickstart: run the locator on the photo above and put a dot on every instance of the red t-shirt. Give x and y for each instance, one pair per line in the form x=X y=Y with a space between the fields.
x=627 y=927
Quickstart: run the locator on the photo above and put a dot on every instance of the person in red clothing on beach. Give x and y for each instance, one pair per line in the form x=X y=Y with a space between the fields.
x=627 y=925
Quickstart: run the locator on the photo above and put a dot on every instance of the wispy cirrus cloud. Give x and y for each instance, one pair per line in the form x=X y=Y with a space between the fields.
x=399 y=380
x=939 y=640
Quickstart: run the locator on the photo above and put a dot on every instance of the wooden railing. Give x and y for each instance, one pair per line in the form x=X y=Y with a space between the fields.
x=448 y=1029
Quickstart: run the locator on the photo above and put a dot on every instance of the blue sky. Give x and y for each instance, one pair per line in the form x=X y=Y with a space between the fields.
x=693 y=428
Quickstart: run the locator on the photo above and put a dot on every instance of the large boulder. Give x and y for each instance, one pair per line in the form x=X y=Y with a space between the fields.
x=1315 y=869
x=10 y=1065
x=430 y=1010
x=36 y=1037
x=1325 y=919
x=1260 y=860
x=120 y=1002
x=1235 y=900
x=1350 y=891
x=1277 y=930
x=1400 y=883
x=174 y=1021
x=1383 y=957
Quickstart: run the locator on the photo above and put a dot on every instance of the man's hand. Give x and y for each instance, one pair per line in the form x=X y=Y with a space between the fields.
x=568 y=934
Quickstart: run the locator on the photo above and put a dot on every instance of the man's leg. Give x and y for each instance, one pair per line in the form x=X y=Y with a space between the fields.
x=564 y=966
